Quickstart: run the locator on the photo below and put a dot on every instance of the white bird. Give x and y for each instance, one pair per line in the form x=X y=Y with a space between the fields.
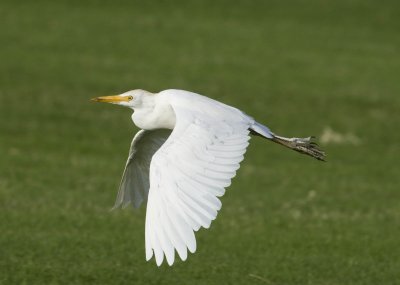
x=185 y=155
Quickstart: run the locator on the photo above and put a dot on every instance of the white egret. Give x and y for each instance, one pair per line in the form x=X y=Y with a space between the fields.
x=185 y=155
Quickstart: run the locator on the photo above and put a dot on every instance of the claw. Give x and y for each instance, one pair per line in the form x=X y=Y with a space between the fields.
x=302 y=145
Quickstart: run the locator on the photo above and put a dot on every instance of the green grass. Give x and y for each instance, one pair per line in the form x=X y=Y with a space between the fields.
x=298 y=66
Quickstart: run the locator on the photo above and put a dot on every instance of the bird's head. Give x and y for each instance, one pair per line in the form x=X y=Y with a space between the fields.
x=131 y=99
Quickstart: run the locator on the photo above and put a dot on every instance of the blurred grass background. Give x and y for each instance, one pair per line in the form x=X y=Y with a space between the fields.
x=301 y=67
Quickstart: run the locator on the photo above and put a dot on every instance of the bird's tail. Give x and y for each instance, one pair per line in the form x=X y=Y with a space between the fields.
x=306 y=146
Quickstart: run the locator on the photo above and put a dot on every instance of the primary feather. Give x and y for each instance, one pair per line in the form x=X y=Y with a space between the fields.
x=186 y=154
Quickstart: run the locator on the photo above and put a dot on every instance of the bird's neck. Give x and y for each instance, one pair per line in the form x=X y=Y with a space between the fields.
x=148 y=102
x=154 y=113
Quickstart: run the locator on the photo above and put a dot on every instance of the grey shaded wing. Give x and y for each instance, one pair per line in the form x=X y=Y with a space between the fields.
x=134 y=186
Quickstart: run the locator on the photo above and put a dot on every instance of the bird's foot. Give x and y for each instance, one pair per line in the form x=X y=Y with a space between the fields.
x=310 y=147
x=303 y=145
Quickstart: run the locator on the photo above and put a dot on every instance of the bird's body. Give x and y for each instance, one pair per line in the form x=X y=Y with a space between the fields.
x=157 y=110
x=186 y=154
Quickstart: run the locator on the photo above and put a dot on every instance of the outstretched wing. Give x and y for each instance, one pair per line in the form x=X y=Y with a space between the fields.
x=189 y=172
x=134 y=186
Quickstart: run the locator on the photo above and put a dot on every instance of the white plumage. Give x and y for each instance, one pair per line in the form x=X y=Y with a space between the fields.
x=186 y=154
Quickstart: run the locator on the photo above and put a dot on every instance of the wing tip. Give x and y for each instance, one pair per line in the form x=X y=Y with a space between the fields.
x=170 y=259
x=192 y=247
x=159 y=259
x=149 y=254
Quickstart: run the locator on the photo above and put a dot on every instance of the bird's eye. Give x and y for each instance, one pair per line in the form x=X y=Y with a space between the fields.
x=130 y=98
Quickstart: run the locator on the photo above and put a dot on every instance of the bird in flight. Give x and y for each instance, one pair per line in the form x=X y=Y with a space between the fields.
x=185 y=155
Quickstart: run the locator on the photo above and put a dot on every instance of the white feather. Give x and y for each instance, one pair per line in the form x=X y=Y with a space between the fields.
x=190 y=170
x=181 y=173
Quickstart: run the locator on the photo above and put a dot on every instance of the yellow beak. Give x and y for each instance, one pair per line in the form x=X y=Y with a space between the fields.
x=112 y=99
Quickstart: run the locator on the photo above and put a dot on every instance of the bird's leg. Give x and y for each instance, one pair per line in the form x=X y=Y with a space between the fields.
x=302 y=145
